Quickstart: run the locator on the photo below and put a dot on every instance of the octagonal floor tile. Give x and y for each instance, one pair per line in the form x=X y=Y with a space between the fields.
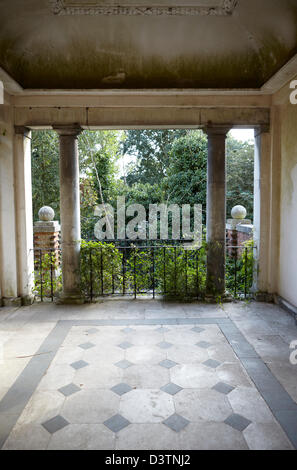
x=146 y=406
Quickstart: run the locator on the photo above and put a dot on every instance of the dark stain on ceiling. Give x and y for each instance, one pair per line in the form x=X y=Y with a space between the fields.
x=240 y=49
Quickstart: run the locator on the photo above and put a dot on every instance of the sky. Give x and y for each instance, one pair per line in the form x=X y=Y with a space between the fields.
x=242 y=134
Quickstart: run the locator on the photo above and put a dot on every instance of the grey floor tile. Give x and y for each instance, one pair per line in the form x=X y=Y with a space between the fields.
x=288 y=421
x=197 y=329
x=237 y=421
x=125 y=345
x=203 y=344
x=211 y=363
x=92 y=331
x=171 y=388
x=55 y=424
x=127 y=330
x=79 y=364
x=121 y=389
x=176 y=422
x=124 y=364
x=69 y=389
x=167 y=363
x=164 y=345
x=162 y=329
x=224 y=388
x=116 y=423
x=86 y=345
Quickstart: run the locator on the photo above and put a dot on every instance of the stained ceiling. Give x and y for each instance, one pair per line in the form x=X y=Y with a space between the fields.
x=139 y=44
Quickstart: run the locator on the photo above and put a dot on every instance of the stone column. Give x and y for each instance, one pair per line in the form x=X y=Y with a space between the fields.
x=23 y=210
x=8 y=248
x=216 y=210
x=70 y=213
x=262 y=219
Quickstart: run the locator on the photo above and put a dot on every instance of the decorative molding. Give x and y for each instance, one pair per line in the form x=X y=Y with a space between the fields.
x=143 y=8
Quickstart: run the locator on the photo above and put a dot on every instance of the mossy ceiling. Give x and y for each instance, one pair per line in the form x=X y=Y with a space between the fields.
x=240 y=49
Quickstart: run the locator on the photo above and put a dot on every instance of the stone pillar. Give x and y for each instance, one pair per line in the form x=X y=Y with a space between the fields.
x=24 y=216
x=262 y=183
x=216 y=210
x=70 y=213
x=8 y=249
x=239 y=230
x=47 y=237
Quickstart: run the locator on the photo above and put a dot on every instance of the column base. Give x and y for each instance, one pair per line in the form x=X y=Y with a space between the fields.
x=70 y=299
x=263 y=297
x=28 y=299
x=12 y=301
x=223 y=298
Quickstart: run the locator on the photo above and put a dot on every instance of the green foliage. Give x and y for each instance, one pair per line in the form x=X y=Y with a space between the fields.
x=45 y=171
x=151 y=148
x=170 y=271
x=101 y=268
x=47 y=276
x=240 y=267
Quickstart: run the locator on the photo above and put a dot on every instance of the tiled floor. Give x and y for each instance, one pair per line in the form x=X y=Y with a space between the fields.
x=147 y=375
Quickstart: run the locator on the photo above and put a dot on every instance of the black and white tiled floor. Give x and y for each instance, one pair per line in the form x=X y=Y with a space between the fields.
x=179 y=383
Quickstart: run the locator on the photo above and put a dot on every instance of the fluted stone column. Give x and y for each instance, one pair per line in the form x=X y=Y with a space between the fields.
x=70 y=213
x=216 y=210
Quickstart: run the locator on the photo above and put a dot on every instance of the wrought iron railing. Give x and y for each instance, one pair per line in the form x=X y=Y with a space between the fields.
x=162 y=269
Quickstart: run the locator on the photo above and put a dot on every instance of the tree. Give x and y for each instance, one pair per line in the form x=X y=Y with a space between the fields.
x=98 y=154
x=45 y=171
x=186 y=180
x=151 y=149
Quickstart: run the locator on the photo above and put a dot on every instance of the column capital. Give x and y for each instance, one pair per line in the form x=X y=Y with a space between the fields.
x=262 y=129
x=213 y=129
x=68 y=129
x=22 y=130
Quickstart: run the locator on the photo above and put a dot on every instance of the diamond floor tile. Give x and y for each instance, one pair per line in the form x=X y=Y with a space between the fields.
x=164 y=345
x=167 y=363
x=92 y=331
x=86 y=345
x=121 y=389
x=162 y=329
x=125 y=345
x=69 y=389
x=116 y=423
x=211 y=363
x=203 y=344
x=237 y=421
x=124 y=364
x=176 y=422
x=127 y=330
x=197 y=329
x=171 y=388
x=224 y=388
x=55 y=424
x=79 y=364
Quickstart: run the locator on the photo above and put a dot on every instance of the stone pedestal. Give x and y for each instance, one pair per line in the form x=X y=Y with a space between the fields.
x=47 y=240
x=238 y=232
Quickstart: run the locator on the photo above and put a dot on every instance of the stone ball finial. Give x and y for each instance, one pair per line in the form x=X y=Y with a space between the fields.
x=46 y=214
x=238 y=212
